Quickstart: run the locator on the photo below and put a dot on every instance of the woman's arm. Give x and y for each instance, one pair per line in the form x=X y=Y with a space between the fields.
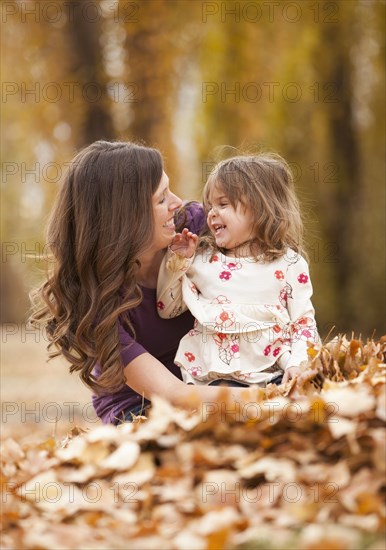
x=148 y=376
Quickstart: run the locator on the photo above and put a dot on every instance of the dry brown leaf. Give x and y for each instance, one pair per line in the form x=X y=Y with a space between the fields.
x=350 y=400
x=123 y=458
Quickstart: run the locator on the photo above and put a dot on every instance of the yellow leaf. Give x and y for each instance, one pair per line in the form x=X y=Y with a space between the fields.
x=48 y=445
x=312 y=352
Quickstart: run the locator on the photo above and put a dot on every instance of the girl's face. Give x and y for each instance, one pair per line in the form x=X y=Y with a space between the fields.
x=165 y=203
x=230 y=226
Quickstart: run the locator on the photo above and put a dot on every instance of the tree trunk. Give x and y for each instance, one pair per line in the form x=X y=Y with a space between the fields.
x=86 y=67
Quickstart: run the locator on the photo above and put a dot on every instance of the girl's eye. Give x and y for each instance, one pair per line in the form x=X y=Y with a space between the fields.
x=162 y=200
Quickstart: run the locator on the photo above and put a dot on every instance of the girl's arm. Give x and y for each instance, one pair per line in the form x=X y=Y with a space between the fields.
x=176 y=262
x=303 y=327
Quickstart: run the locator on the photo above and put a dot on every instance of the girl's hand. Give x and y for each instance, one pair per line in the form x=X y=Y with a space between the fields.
x=184 y=243
x=290 y=373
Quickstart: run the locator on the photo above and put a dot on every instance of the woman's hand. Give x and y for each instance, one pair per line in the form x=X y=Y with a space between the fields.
x=184 y=243
x=290 y=373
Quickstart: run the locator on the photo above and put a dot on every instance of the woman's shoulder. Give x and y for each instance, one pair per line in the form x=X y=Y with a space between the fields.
x=192 y=216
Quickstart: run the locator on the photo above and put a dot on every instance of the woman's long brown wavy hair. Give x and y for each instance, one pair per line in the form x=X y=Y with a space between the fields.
x=101 y=221
x=263 y=183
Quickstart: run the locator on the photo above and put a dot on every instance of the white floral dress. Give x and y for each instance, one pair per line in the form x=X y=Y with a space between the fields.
x=253 y=317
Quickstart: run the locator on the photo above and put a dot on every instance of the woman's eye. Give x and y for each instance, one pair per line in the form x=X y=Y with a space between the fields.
x=162 y=200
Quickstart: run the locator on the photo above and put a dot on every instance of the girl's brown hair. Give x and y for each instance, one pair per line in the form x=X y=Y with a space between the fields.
x=101 y=221
x=262 y=183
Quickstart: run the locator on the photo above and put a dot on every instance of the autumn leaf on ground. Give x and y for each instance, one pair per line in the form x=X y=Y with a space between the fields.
x=301 y=466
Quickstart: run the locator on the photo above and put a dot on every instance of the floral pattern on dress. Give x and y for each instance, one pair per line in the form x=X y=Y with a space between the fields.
x=232 y=266
x=267 y=350
x=292 y=257
x=195 y=371
x=274 y=349
x=220 y=299
x=303 y=329
x=224 y=320
x=193 y=289
x=285 y=293
x=225 y=275
x=220 y=339
x=228 y=267
x=303 y=278
x=228 y=346
x=194 y=331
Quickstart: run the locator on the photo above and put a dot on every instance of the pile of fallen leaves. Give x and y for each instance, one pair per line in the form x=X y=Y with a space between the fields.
x=299 y=467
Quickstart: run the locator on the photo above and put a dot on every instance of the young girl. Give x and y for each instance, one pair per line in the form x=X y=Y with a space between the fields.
x=248 y=287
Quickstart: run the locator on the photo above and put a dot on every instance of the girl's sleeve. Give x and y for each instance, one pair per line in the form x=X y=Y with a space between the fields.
x=170 y=302
x=301 y=311
x=169 y=287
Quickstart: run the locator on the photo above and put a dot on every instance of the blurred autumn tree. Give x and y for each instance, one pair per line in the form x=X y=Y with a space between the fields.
x=303 y=78
x=310 y=86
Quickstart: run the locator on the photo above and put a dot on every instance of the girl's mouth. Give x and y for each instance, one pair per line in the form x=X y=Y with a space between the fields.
x=218 y=228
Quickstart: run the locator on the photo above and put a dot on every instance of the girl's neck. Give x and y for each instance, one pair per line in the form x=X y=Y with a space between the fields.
x=244 y=250
x=150 y=264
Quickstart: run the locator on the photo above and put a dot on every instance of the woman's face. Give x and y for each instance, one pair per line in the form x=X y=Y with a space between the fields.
x=165 y=203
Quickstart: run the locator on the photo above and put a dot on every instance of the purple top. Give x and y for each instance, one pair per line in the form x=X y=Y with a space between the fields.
x=159 y=337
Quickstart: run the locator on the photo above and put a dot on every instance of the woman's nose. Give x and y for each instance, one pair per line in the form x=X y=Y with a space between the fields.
x=175 y=202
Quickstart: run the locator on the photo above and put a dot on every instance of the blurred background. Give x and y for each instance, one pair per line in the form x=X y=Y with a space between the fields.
x=305 y=79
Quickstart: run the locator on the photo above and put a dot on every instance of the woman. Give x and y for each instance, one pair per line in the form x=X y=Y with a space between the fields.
x=108 y=232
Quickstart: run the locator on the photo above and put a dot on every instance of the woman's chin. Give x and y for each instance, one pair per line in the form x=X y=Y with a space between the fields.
x=169 y=236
